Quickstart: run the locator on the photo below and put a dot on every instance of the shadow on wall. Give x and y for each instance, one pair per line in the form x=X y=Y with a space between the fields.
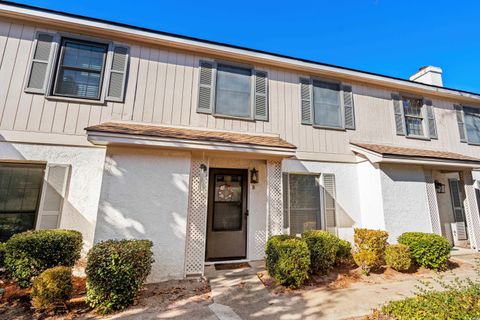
x=71 y=217
x=142 y=200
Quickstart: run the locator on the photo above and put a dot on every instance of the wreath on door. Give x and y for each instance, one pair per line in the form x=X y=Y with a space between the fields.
x=225 y=192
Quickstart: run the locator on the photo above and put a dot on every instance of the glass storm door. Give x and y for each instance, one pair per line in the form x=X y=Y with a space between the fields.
x=227 y=214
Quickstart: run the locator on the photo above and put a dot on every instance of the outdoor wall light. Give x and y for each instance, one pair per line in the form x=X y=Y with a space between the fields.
x=439 y=187
x=254 y=176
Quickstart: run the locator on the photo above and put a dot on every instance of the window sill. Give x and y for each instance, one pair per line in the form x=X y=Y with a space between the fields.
x=316 y=126
x=75 y=100
x=227 y=117
x=473 y=144
x=417 y=137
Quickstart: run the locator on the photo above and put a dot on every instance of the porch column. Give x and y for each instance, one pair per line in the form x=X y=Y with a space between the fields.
x=197 y=218
x=433 y=203
x=471 y=210
x=275 y=198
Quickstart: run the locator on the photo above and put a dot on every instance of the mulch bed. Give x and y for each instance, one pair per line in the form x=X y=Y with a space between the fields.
x=15 y=303
x=346 y=275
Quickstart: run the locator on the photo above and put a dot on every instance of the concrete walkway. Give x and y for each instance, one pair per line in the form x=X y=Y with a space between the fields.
x=239 y=294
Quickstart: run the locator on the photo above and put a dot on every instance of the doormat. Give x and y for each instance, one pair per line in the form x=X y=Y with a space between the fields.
x=228 y=266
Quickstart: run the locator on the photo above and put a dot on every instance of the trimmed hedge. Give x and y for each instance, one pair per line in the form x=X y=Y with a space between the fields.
x=52 y=287
x=116 y=269
x=2 y=254
x=323 y=248
x=428 y=250
x=344 y=253
x=369 y=248
x=287 y=260
x=30 y=253
x=397 y=256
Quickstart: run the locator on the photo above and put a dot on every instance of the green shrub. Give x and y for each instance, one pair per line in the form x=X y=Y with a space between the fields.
x=344 y=253
x=427 y=249
x=397 y=256
x=450 y=304
x=116 y=269
x=52 y=287
x=323 y=248
x=288 y=260
x=459 y=299
x=30 y=253
x=2 y=254
x=369 y=248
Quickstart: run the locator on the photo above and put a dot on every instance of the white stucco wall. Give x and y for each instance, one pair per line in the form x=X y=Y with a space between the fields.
x=80 y=206
x=347 y=195
x=145 y=196
x=476 y=175
x=405 y=202
x=370 y=193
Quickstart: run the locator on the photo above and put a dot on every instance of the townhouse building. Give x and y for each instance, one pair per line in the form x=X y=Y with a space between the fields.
x=207 y=149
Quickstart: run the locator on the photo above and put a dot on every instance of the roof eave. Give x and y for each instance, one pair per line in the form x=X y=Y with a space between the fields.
x=126 y=32
x=378 y=158
x=107 y=138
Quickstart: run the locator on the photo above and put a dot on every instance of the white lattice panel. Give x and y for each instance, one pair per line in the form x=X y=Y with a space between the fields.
x=471 y=211
x=197 y=219
x=433 y=203
x=275 y=199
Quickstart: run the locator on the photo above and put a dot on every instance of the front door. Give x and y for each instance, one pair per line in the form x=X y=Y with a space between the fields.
x=227 y=214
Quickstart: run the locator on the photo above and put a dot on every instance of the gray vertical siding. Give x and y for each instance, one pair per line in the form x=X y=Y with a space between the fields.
x=162 y=89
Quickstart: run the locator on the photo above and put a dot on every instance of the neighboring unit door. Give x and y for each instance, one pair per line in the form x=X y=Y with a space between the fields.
x=457 y=206
x=227 y=214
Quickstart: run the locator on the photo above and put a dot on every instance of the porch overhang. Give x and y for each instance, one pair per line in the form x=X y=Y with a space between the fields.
x=377 y=154
x=141 y=135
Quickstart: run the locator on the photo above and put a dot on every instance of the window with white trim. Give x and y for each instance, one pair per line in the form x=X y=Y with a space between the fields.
x=70 y=67
x=414 y=116
x=80 y=69
x=472 y=124
x=303 y=202
x=327 y=107
x=414 y=119
x=232 y=90
x=326 y=104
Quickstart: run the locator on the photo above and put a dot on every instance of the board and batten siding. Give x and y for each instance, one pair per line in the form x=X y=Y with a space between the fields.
x=162 y=88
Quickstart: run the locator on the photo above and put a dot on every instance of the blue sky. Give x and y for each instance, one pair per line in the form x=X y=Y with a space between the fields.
x=389 y=37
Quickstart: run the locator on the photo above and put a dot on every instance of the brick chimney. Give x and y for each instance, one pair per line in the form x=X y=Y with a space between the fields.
x=428 y=75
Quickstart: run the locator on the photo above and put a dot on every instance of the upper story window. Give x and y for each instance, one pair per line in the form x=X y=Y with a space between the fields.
x=472 y=124
x=233 y=94
x=73 y=68
x=414 y=117
x=80 y=69
x=327 y=108
x=231 y=90
x=468 y=120
x=412 y=109
x=326 y=104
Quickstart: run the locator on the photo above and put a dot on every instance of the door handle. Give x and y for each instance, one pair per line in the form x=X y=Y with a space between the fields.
x=246 y=213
